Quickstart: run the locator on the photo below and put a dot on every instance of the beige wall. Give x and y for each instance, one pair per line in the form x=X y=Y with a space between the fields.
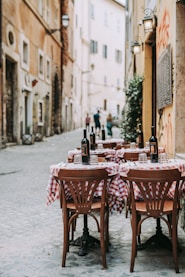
x=27 y=23
x=166 y=33
x=170 y=123
x=179 y=81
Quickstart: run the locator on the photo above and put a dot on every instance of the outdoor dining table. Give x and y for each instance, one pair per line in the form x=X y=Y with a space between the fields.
x=169 y=164
x=107 y=152
x=119 y=156
x=117 y=141
x=117 y=191
x=116 y=194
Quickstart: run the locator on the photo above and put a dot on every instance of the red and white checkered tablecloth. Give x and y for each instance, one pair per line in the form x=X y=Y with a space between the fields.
x=105 y=151
x=171 y=164
x=117 y=189
x=119 y=155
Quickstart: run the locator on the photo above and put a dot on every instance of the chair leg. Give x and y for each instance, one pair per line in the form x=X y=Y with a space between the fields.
x=134 y=246
x=128 y=207
x=174 y=245
x=65 y=238
x=103 y=231
x=138 y=229
x=107 y=231
x=73 y=228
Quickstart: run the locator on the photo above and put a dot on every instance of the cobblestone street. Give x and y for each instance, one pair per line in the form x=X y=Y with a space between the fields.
x=31 y=233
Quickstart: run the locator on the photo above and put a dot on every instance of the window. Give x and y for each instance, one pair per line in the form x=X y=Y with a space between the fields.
x=40 y=7
x=41 y=64
x=40 y=113
x=93 y=47
x=118 y=109
x=92 y=11
x=105 y=105
x=105 y=51
x=47 y=12
x=48 y=69
x=76 y=21
x=25 y=52
x=25 y=58
x=71 y=80
x=56 y=15
x=105 y=80
x=105 y=19
x=118 y=84
x=118 y=57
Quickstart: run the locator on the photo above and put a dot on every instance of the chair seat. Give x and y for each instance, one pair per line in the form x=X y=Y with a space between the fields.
x=168 y=207
x=95 y=206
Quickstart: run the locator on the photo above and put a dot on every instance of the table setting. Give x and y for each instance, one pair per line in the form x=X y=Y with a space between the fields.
x=106 y=152
x=117 y=191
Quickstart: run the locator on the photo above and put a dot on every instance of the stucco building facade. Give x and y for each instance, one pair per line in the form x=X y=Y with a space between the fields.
x=31 y=69
x=161 y=62
x=52 y=76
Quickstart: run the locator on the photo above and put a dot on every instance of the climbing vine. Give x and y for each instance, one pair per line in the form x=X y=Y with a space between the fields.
x=132 y=114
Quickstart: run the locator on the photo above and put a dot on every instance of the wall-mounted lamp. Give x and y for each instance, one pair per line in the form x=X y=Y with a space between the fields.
x=149 y=20
x=137 y=46
x=65 y=23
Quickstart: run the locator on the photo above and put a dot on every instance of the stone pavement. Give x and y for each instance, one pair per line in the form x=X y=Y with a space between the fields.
x=31 y=233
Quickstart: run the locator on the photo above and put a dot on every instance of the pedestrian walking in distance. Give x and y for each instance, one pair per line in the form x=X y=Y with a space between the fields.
x=87 y=122
x=109 y=125
x=97 y=123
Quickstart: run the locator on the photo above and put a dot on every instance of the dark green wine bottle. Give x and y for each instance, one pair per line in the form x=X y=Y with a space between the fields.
x=85 y=149
x=92 y=139
x=153 y=146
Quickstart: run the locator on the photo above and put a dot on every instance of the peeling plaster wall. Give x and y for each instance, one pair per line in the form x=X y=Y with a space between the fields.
x=180 y=81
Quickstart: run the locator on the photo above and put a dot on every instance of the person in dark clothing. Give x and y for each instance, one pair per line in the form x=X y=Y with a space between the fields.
x=97 y=123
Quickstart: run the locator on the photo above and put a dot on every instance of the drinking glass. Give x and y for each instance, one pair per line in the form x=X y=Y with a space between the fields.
x=163 y=157
x=142 y=157
x=100 y=146
x=147 y=144
x=93 y=159
x=77 y=158
x=132 y=145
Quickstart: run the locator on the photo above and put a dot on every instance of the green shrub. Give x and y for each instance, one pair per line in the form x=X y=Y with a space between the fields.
x=132 y=114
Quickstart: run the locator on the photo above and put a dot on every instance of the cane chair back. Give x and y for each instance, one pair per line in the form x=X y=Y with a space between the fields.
x=154 y=187
x=77 y=190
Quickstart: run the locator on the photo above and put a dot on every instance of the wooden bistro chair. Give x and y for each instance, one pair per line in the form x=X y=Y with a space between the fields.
x=131 y=156
x=154 y=186
x=81 y=185
x=110 y=145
